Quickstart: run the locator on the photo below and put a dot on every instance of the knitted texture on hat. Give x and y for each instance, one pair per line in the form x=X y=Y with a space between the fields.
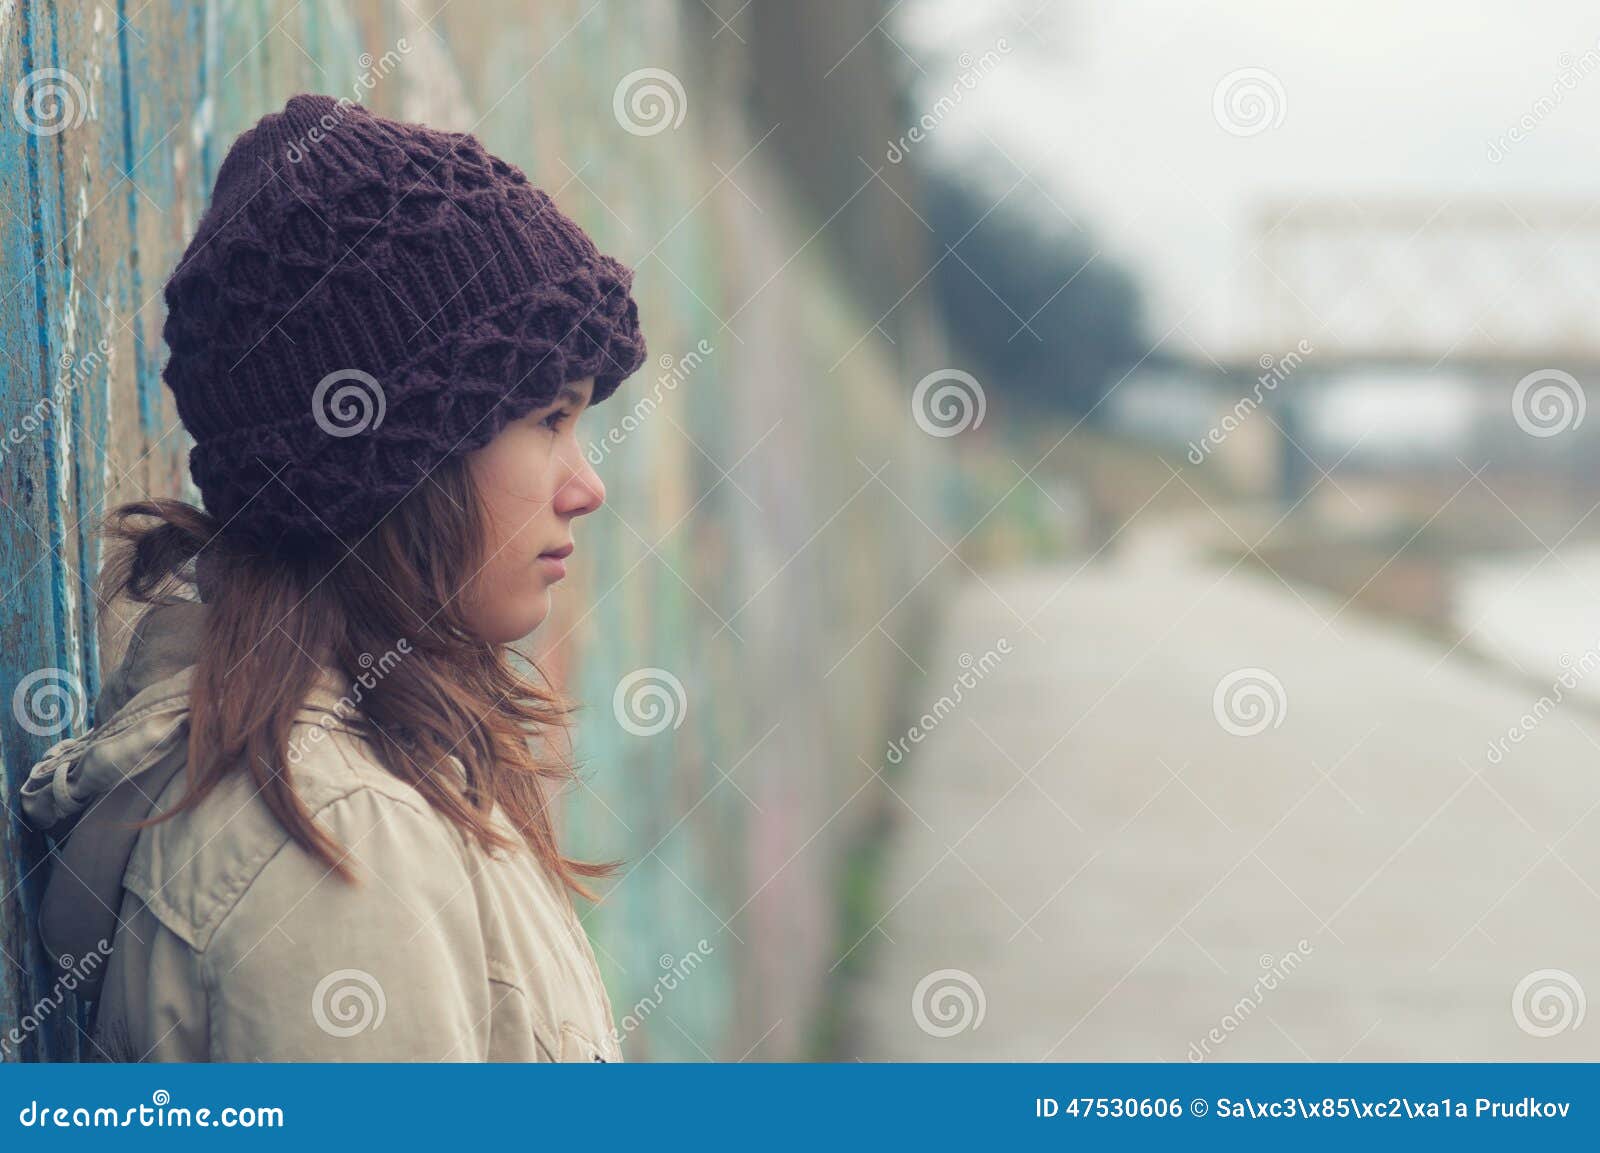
x=365 y=298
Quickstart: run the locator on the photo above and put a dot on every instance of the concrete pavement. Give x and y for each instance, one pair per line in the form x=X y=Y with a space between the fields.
x=1109 y=859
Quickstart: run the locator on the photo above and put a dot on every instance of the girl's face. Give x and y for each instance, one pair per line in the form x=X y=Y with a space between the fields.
x=534 y=482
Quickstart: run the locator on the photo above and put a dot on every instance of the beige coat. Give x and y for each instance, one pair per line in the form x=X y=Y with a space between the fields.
x=231 y=943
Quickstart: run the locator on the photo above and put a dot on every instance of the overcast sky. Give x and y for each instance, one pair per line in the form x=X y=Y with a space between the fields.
x=1110 y=105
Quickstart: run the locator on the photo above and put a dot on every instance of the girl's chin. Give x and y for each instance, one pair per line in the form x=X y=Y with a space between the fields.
x=533 y=614
x=513 y=622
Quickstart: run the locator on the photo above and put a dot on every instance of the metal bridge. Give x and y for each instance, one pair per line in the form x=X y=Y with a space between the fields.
x=1482 y=284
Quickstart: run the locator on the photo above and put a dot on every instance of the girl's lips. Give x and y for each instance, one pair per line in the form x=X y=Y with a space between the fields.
x=554 y=563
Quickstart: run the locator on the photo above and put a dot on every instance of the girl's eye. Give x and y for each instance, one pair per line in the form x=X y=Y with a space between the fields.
x=553 y=421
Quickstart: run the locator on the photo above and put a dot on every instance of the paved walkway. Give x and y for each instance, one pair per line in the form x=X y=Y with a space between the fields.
x=1123 y=878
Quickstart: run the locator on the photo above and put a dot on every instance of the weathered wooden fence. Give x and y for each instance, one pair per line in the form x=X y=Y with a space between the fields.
x=757 y=566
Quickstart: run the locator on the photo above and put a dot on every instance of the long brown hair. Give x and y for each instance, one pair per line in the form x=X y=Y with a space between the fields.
x=276 y=613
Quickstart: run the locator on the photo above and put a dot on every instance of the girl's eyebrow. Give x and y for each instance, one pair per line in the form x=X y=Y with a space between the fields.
x=571 y=393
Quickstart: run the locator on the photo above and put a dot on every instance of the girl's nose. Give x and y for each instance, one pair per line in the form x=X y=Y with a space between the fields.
x=583 y=491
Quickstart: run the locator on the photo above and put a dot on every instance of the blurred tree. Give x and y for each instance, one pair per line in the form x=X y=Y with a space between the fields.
x=1048 y=320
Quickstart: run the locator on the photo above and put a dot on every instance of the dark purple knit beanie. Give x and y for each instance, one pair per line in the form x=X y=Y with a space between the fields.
x=365 y=298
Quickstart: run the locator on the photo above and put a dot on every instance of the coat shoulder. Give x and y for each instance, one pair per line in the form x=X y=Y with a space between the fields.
x=193 y=869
